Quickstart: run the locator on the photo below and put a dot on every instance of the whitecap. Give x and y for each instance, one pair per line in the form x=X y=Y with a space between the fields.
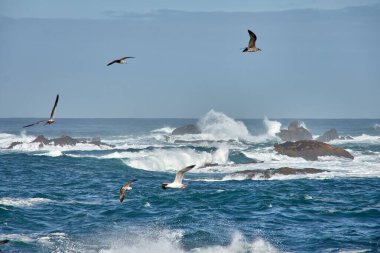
x=19 y=202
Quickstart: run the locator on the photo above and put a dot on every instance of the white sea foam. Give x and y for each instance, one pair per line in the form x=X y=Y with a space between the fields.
x=53 y=153
x=377 y=127
x=302 y=124
x=174 y=159
x=272 y=127
x=17 y=237
x=20 y=202
x=169 y=241
x=165 y=130
x=221 y=127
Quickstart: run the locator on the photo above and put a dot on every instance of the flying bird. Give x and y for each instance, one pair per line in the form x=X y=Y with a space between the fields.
x=252 y=43
x=177 y=183
x=49 y=121
x=125 y=188
x=120 y=61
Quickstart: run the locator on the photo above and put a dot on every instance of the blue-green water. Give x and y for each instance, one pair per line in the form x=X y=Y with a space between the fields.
x=66 y=199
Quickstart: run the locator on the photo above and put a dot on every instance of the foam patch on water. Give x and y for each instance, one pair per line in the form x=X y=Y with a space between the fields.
x=53 y=153
x=19 y=202
x=169 y=241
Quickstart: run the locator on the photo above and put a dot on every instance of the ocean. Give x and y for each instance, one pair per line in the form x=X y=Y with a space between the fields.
x=66 y=199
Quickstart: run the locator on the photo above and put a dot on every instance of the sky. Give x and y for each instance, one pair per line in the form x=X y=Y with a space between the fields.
x=319 y=59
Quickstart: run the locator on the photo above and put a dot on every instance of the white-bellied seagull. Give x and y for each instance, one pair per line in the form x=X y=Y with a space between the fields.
x=120 y=61
x=125 y=188
x=252 y=43
x=49 y=121
x=177 y=183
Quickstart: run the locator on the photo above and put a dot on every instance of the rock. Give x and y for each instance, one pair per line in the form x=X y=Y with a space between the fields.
x=98 y=142
x=310 y=150
x=348 y=137
x=13 y=144
x=330 y=135
x=295 y=133
x=41 y=139
x=266 y=174
x=188 y=129
x=64 y=141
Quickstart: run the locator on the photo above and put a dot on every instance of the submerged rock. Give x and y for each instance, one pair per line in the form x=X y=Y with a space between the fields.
x=63 y=141
x=295 y=133
x=348 y=137
x=310 y=150
x=41 y=139
x=13 y=144
x=188 y=129
x=266 y=174
x=330 y=135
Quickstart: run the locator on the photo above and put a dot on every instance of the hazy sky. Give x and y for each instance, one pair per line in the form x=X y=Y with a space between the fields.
x=320 y=59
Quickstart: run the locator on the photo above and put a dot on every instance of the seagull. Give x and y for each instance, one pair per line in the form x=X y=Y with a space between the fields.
x=49 y=121
x=125 y=188
x=252 y=43
x=177 y=184
x=120 y=61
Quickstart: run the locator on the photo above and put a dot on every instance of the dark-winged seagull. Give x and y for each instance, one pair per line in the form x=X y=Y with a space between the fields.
x=125 y=188
x=49 y=121
x=252 y=43
x=177 y=183
x=120 y=61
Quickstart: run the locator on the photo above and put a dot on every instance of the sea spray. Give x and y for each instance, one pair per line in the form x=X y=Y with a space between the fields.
x=222 y=127
x=272 y=126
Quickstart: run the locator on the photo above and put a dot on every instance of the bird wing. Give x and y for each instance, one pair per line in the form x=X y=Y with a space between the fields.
x=112 y=62
x=122 y=194
x=180 y=173
x=252 y=39
x=38 y=122
x=55 y=105
x=124 y=188
x=126 y=58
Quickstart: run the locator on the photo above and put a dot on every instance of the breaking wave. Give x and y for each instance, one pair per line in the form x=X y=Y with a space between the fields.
x=170 y=241
x=19 y=202
x=222 y=127
x=172 y=160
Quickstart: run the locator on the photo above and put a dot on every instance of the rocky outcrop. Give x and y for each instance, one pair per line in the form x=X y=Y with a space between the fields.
x=294 y=133
x=266 y=174
x=188 y=129
x=348 y=137
x=13 y=144
x=63 y=141
x=310 y=150
x=330 y=135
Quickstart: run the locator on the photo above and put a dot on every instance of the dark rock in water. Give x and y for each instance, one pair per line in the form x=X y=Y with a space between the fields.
x=188 y=129
x=64 y=141
x=98 y=142
x=42 y=140
x=266 y=174
x=348 y=137
x=330 y=135
x=310 y=150
x=295 y=133
x=13 y=144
